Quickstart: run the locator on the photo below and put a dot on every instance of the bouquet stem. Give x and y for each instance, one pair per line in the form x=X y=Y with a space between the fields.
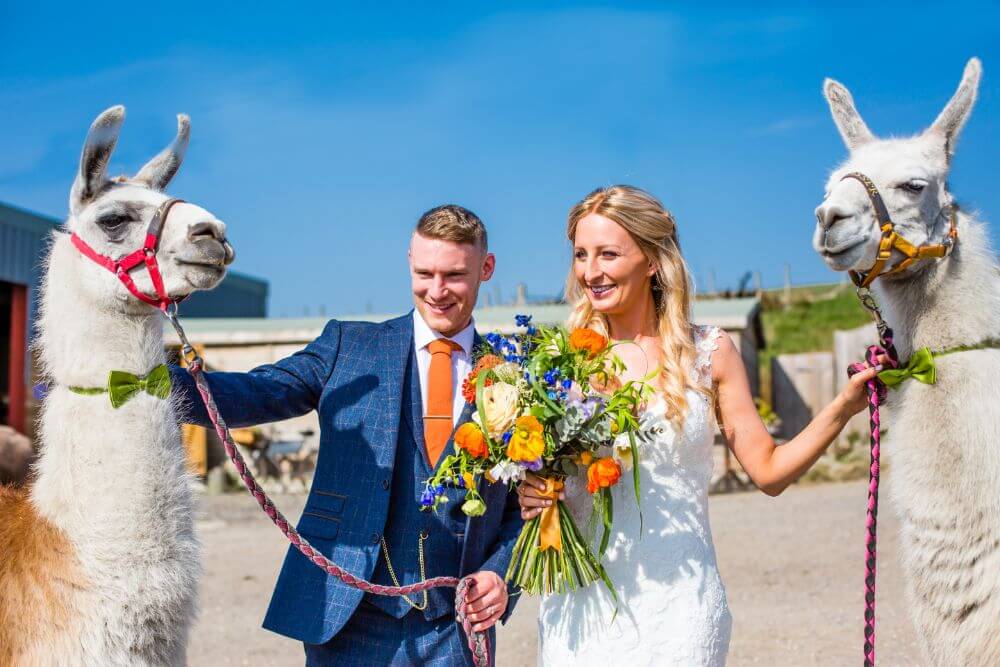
x=554 y=570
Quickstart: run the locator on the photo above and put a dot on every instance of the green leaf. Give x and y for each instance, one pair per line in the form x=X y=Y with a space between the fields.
x=480 y=404
x=635 y=475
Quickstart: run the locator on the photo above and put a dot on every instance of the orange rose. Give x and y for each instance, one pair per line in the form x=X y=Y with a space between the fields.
x=588 y=340
x=602 y=474
x=471 y=439
x=469 y=384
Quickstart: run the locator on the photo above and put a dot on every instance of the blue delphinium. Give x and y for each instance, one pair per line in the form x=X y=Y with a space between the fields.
x=427 y=498
x=495 y=341
x=522 y=320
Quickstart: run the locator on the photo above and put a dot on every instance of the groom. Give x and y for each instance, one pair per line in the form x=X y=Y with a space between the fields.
x=389 y=398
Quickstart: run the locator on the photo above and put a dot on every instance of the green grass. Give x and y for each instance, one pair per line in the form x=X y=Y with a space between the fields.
x=806 y=325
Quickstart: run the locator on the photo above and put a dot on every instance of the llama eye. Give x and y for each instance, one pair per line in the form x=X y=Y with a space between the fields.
x=913 y=187
x=113 y=223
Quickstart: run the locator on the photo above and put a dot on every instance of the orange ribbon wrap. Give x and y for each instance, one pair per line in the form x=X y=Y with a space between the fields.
x=550 y=535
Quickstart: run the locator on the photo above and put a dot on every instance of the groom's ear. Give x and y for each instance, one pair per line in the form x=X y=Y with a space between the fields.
x=489 y=266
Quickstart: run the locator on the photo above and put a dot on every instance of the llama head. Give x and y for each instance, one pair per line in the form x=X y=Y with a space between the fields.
x=911 y=174
x=112 y=216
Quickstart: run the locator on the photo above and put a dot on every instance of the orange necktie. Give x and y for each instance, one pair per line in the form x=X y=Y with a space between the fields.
x=440 y=398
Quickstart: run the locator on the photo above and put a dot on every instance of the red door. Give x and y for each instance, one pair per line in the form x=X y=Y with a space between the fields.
x=16 y=334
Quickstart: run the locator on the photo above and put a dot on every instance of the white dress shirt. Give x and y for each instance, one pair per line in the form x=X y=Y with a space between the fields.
x=461 y=360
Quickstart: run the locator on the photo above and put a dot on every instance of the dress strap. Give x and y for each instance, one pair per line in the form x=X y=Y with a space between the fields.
x=706 y=341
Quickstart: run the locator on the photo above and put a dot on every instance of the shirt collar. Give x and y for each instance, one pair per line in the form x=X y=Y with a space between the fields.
x=423 y=334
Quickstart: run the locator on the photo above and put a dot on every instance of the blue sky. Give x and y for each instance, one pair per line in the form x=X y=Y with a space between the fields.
x=320 y=134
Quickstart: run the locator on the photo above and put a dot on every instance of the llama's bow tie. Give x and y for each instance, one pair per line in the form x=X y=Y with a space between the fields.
x=123 y=386
x=920 y=367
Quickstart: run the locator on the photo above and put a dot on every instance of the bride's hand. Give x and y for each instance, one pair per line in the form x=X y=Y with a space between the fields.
x=854 y=397
x=529 y=495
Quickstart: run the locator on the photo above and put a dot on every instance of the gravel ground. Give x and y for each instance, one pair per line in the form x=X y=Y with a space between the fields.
x=793 y=568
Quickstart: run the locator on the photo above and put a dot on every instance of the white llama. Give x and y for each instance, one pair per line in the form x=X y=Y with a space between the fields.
x=99 y=562
x=943 y=439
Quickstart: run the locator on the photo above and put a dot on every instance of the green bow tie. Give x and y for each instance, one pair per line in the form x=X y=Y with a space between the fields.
x=122 y=386
x=919 y=367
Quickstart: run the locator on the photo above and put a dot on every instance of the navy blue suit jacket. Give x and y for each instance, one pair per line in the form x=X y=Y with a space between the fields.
x=353 y=375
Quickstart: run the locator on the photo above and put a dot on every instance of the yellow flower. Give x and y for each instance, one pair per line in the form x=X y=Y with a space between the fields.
x=470 y=481
x=586 y=458
x=526 y=443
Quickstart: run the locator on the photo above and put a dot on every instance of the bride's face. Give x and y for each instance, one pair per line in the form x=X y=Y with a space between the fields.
x=610 y=266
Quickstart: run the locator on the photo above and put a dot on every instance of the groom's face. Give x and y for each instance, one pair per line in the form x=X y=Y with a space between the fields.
x=445 y=277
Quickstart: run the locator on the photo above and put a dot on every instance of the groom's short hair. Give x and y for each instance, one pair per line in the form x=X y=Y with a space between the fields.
x=454 y=223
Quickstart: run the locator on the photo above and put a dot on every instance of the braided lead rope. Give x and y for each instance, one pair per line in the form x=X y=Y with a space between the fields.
x=478 y=641
x=876 y=390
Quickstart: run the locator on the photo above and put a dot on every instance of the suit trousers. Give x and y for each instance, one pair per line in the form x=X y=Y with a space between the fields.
x=372 y=637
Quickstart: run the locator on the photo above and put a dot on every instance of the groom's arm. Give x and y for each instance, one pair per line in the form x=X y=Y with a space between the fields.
x=273 y=392
x=499 y=558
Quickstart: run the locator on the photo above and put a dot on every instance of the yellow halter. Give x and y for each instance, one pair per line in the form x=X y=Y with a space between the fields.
x=892 y=241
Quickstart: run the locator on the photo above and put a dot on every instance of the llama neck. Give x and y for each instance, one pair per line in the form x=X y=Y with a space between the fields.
x=955 y=301
x=83 y=337
x=101 y=468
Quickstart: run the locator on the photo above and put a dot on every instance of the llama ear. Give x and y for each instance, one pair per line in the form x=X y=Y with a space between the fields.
x=949 y=123
x=159 y=171
x=97 y=151
x=852 y=128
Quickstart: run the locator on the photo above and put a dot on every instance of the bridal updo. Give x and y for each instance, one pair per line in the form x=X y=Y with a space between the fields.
x=654 y=230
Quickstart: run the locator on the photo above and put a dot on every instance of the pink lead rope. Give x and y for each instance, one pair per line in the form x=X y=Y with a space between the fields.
x=478 y=641
x=876 y=395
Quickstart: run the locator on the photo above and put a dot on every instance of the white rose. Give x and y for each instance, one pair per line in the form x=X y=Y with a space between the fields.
x=500 y=405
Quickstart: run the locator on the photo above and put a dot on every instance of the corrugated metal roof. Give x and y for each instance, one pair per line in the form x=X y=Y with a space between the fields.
x=731 y=314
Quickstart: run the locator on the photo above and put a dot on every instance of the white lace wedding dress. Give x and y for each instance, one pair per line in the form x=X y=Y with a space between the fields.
x=673 y=605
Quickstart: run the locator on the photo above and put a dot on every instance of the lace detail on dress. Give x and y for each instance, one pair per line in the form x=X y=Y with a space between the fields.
x=706 y=341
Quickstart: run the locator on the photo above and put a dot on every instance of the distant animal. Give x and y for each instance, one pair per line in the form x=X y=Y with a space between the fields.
x=16 y=455
x=99 y=562
x=939 y=287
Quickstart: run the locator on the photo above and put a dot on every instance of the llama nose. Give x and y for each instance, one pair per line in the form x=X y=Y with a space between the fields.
x=205 y=230
x=829 y=215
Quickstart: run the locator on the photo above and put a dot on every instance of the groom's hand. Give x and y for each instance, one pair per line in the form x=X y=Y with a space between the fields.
x=486 y=600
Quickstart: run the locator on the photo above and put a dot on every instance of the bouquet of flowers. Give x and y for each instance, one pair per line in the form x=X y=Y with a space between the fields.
x=547 y=401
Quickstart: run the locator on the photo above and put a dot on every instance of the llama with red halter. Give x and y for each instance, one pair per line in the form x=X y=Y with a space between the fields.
x=889 y=219
x=100 y=561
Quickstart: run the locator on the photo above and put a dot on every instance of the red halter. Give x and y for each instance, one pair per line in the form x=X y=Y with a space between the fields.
x=146 y=254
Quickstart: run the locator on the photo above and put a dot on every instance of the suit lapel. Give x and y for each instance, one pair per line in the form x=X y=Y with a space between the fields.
x=397 y=342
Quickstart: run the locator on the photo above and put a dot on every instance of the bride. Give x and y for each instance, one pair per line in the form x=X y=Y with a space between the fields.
x=628 y=280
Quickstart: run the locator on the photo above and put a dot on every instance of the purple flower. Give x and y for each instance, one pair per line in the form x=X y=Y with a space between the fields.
x=533 y=466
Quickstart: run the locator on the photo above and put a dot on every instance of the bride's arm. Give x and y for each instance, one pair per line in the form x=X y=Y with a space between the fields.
x=773 y=468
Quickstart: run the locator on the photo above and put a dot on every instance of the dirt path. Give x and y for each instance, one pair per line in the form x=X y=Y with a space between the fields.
x=793 y=568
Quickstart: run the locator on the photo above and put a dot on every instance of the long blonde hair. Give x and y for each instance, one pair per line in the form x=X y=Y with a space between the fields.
x=654 y=230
